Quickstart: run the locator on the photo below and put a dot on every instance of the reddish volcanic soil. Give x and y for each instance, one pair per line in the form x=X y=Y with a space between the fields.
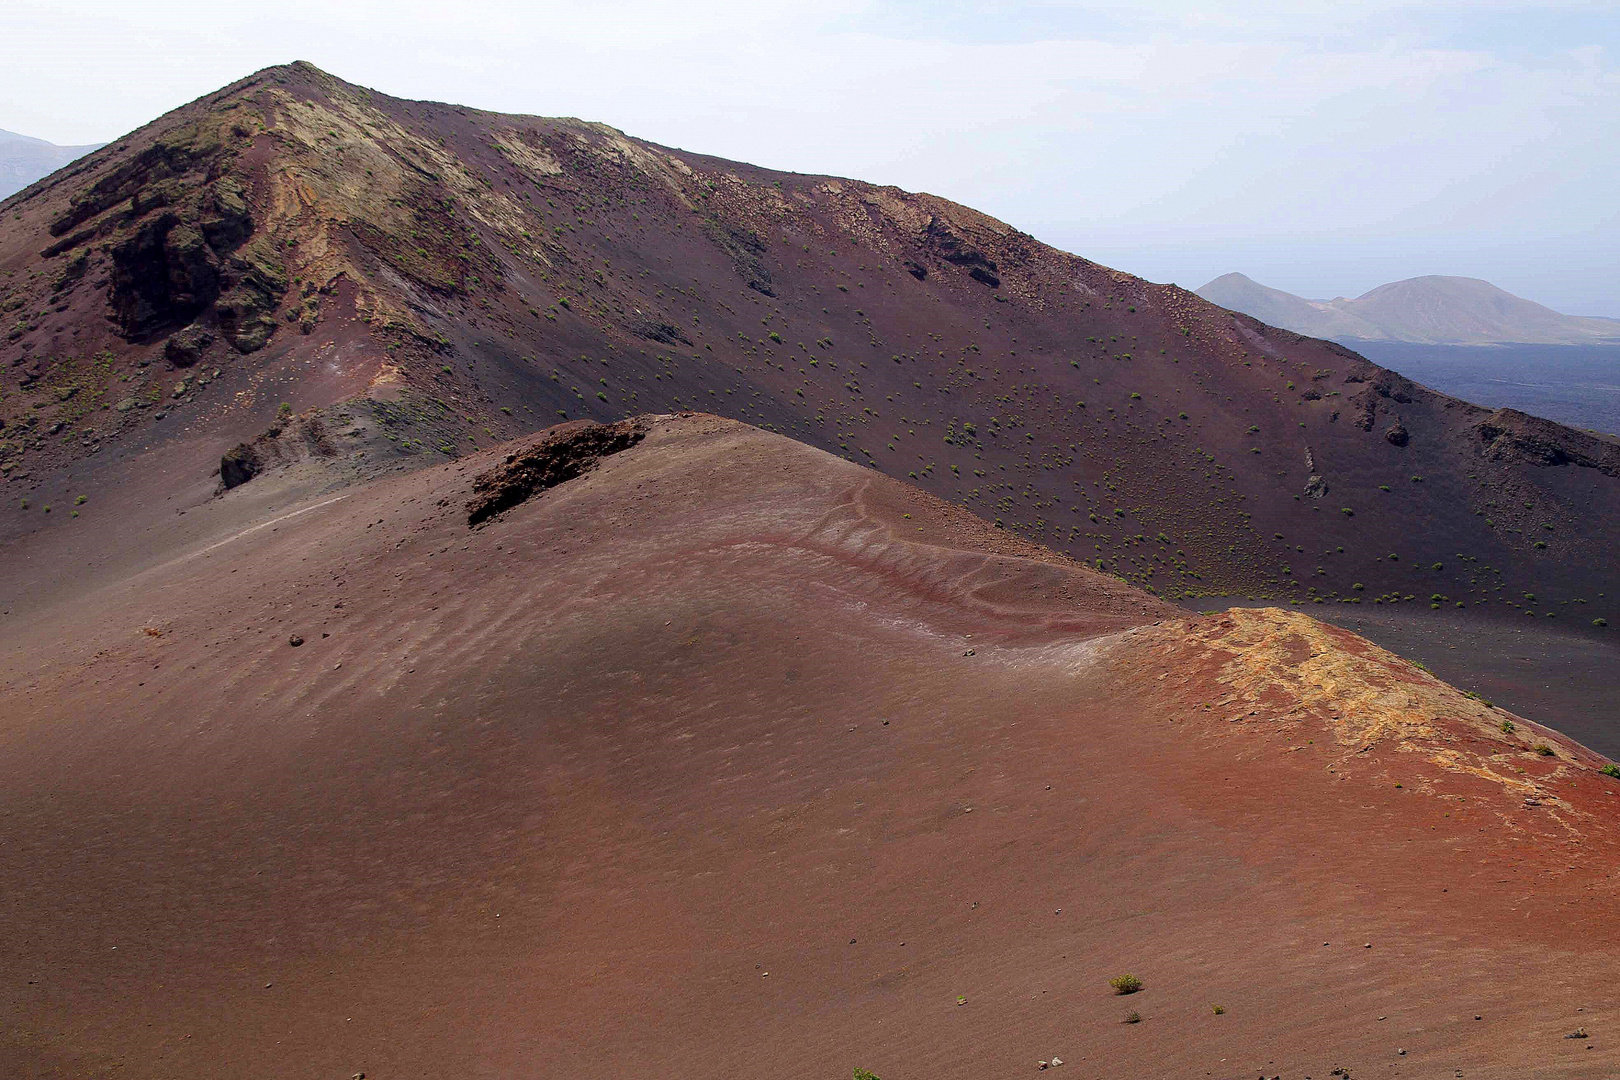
x=729 y=757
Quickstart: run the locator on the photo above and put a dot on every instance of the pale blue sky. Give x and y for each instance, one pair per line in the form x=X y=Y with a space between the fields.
x=1320 y=147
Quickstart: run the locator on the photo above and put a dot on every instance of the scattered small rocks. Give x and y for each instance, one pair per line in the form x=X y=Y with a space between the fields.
x=295 y=641
x=1578 y=1033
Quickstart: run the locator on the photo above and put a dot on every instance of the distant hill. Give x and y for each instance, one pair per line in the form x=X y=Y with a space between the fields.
x=1432 y=310
x=1238 y=292
x=24 y=160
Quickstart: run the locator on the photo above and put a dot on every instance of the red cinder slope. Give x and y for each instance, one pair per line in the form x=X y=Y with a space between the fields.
x=719 y=755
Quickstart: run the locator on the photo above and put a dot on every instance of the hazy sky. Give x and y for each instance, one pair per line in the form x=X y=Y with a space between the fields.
x=1321 y=147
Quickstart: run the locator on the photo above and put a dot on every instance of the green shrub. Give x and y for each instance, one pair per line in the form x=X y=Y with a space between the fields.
x=1508 y=727
x=1125 y=984
x=1611 y=769
x=860 y=1073
x=1543 y=749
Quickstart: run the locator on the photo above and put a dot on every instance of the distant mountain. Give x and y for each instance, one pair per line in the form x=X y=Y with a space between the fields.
x=24 y=160
x=1238 y=292
x=1432 y=310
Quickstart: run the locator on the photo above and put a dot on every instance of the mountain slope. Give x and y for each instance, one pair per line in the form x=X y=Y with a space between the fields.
x=299 y=273
x=24 y=160
x=1431 y=310
x=725 y=756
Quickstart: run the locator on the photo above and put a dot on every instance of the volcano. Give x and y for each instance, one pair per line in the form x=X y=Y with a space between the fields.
x=429 y=280
x=489 y=596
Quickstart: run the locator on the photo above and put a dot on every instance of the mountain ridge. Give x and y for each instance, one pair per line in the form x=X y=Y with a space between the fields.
x=1432 y=309
x=294 y=272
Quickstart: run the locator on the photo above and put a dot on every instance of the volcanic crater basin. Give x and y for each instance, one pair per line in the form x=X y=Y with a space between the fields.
x=727 y=755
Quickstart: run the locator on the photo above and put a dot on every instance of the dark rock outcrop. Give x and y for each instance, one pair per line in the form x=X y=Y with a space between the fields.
x=940 y=240
x=187 y=346
x=179 y=239
x=240 y=464
x=294 y=440
x=746 y=251
x=660 y=330
x=1508 y=434
x=247 y=309
x=562 y=453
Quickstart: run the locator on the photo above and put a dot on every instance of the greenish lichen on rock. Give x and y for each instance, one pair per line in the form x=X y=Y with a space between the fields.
x=247 y=309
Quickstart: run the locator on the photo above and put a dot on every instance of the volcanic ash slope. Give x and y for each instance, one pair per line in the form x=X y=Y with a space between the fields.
x=704 y=751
